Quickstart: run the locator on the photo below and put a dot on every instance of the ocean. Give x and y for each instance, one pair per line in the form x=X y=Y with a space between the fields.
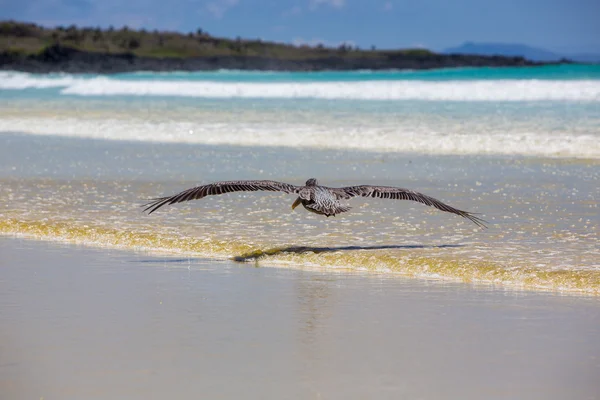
x=79 y=154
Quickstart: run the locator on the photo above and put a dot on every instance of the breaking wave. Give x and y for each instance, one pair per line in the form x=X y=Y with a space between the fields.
x=426 y=90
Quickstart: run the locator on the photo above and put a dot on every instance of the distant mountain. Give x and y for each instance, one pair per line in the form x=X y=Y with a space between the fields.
x=585 y=58
x=509 y=49
x=505 y=49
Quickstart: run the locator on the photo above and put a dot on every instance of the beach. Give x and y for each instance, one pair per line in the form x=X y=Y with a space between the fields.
x=238 y=295
x=79 y=322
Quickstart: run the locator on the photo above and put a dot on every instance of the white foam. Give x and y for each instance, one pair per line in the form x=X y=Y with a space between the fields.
x=477 y=90
x=508 y=90
x=537 y=134
x=19 y=80
x=424 y=140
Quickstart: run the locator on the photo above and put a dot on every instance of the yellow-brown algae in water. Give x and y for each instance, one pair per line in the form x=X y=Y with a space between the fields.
x=392 y=261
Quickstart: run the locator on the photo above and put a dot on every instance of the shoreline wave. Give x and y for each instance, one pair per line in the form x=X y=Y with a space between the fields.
x=394 y=262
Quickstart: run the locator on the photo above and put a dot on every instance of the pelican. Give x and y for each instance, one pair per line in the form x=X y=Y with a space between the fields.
x=315 y=198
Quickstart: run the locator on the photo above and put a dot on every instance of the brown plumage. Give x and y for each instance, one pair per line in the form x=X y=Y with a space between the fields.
x=318 y=199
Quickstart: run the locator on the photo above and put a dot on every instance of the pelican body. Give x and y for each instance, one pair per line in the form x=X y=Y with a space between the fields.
x=319 y=199
x=315 y=198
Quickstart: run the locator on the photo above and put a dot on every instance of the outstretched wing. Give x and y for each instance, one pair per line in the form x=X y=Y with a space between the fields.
x=220 y=188
x=388 y=192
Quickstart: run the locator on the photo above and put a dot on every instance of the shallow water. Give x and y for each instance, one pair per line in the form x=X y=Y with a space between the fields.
x=80 y=153
x=542 y=214
x=567 y=129
x=105 y=324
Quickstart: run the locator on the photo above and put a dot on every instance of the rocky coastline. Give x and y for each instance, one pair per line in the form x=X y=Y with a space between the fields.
x=59 y=58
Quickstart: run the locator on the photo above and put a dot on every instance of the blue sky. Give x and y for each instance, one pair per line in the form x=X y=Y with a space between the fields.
x=558 y=25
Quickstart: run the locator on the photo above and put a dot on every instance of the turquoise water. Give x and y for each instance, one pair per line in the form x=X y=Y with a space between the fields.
x=555 y=83
x=548 y=72
x=548 y=111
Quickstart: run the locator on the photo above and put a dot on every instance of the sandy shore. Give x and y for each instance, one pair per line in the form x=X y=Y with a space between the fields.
x=81 y=323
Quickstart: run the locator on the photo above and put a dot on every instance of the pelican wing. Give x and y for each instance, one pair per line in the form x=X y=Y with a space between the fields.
x=388 y=192
x=216 y=188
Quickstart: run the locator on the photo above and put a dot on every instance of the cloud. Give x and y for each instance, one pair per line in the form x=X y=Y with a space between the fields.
x=296 y=10
x=220 y=7
x=314 y=4
x=91 y=13
x=67 y=8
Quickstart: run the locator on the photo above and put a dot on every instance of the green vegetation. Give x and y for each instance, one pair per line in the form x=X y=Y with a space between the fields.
x=28 y=39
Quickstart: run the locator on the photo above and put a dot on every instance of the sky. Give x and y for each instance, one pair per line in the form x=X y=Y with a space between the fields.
x=565 y=26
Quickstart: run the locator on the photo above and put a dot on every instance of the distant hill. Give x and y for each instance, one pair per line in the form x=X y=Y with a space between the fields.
x=522 y=50
x=33 y=48
x=585 y=58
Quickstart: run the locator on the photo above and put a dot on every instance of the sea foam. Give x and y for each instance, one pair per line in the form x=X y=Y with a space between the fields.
x=455 y=90
x=422 y=140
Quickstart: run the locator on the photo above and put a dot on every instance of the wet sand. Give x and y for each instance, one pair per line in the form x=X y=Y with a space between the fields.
x=83 y=323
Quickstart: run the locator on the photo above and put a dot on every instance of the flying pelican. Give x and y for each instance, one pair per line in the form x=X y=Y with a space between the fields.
x=315 y=198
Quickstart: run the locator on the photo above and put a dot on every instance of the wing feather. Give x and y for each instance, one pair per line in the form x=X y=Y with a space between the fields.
x=389 y=192
x=217 y=188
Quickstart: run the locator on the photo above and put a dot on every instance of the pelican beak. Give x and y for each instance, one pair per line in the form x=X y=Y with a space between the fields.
x=296 y=203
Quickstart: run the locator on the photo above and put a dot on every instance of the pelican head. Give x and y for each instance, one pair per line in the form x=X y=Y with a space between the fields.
x=312 y=182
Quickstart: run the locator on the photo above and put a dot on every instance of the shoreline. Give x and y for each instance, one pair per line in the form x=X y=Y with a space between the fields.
x=88 y=200
x=60 y=58
x=289 y=260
